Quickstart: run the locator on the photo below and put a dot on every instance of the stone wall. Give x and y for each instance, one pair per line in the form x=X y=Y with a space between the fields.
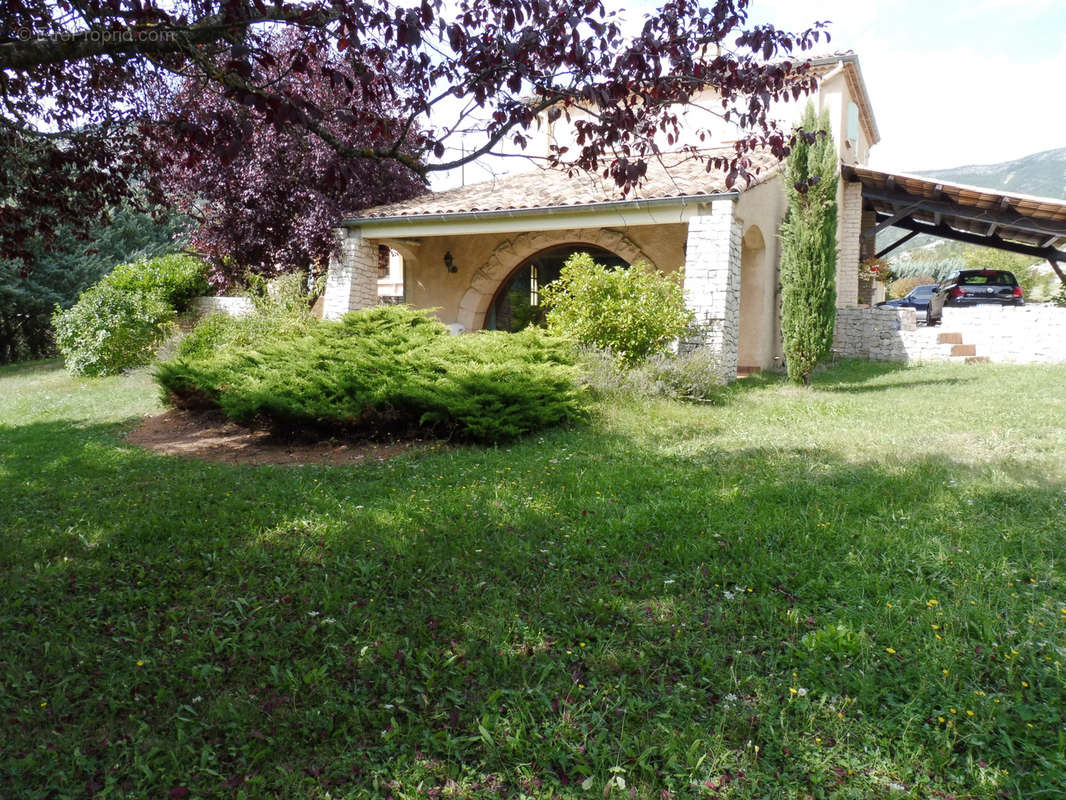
x=1034 y=334
x=872 y=333
x=352 y=281
x=712 y=280
x=233 y=306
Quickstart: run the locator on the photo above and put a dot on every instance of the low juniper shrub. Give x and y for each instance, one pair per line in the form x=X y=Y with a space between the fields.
x=383 y=371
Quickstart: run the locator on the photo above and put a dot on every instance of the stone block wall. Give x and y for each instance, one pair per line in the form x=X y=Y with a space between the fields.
x=872 y=333
x=1034 y=334
x=233 y=306
x=352 y=281
x=712 y=280
x=1031 y=334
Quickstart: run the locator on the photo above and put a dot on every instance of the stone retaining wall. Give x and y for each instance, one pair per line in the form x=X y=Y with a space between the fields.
x=1033 y=334
x=233 y=306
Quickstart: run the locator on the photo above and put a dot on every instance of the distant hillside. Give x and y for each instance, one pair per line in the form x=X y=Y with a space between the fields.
x=1042 y=174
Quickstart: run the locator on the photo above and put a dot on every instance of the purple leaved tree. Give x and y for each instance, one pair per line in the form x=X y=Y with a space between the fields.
x=270 y=205
x=82 y=81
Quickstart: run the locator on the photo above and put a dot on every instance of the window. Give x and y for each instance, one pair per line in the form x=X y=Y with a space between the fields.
x=517 y=303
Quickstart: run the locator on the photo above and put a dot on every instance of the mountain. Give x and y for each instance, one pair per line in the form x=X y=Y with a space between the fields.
x=1041 y=174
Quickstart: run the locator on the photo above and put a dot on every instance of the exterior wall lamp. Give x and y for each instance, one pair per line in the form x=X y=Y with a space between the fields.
x=449 y=262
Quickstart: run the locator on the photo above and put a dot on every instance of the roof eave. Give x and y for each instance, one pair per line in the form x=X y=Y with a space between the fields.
x=853 y=60
x=460 y=218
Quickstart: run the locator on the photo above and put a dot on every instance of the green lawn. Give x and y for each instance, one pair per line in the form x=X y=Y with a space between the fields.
x=852 y=592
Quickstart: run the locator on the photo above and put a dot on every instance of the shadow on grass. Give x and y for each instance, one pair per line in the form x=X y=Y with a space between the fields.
x=847 y=375
x=22 y=367
x=521 y=617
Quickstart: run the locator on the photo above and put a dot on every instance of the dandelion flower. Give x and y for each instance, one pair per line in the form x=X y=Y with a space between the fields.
x=890 y=650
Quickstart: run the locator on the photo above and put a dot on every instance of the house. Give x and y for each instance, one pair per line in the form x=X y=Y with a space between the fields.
x=479 y=254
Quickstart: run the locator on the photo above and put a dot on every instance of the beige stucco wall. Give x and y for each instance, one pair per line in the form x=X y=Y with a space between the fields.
x=835 y=95
x=483 y=261
x=760 y=211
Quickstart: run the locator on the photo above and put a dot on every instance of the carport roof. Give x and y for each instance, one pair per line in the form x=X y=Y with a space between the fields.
x=1017 y=223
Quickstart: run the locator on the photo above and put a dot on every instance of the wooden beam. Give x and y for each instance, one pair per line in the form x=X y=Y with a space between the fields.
x=985 y=217
x=897 y=243
x=890 y=222
x=945 y=232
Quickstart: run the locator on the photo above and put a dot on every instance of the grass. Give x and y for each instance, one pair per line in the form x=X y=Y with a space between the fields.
x=851 y=592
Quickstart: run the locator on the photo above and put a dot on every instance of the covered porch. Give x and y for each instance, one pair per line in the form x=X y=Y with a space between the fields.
x=476 y=254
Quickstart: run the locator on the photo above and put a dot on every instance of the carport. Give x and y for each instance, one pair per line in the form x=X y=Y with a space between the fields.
x=1032 y=226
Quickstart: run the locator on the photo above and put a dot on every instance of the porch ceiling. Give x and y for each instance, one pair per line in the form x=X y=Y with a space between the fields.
x=1034 y=226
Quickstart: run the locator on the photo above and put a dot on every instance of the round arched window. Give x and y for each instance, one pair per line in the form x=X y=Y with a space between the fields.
x=517 y=304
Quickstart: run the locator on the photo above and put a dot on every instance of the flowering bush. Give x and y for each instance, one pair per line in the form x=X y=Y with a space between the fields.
x=877 y=269
x=633 y=312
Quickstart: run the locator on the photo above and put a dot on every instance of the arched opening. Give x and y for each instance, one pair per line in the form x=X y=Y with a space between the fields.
x=517 y=303
x=756 y=339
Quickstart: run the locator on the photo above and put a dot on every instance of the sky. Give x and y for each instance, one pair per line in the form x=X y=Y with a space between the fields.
x=952 y=82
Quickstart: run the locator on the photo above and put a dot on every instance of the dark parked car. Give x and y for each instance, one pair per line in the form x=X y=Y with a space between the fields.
x=971 y=287
x=917 y=298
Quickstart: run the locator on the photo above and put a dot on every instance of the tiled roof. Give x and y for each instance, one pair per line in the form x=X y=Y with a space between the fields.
x=545 y=188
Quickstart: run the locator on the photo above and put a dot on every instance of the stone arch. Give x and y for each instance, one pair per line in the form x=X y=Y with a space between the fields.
x=757 y=285
x=512 y=252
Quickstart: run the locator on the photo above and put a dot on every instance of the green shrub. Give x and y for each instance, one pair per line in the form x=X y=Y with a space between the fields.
x=110 y=329
x=633 y=312
x=120 y=321
x=217 y=332
x=691 y=375
x=385 y=370
x=177 y=278
x=902 y=286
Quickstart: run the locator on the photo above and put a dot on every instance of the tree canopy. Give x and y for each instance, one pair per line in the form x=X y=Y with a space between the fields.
x=83 y=81
x=271 y=205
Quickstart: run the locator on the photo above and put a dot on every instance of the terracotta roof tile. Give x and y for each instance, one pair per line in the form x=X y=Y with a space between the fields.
x=546 y=188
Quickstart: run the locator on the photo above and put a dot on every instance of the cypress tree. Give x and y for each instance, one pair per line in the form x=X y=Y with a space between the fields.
x=808 y=247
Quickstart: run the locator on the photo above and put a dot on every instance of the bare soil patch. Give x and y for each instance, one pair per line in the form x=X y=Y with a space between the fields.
x=210 y=436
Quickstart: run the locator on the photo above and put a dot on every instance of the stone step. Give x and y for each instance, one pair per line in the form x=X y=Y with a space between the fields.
x=964 y=350
x=949 y=338
x=978 y=360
